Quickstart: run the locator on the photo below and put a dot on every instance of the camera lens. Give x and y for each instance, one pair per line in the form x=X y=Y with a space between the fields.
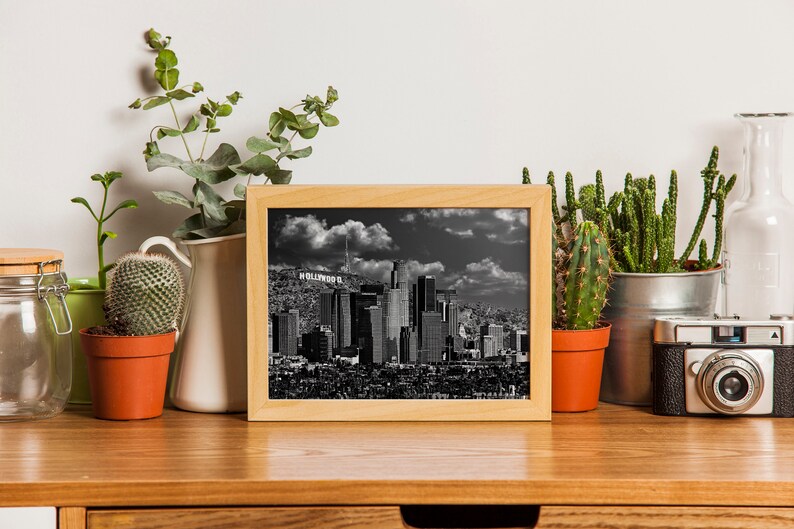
x=730 y=381
x=733 y=386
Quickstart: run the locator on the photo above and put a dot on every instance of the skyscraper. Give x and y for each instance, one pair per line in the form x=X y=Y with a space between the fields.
x=443 y=299
x=371 y=335
x=342 y=319
x=498 y=333
x=431 y=348
x=358 y=302
x=519 y=341
x=285 y=332
x=399 y=281
x=487 y=346
x=326 y=306
x=408 y=346
x=391 y=325
x=452 y=318
x=424 y=300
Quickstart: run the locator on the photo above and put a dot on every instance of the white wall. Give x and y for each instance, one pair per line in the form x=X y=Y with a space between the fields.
x=430 y=91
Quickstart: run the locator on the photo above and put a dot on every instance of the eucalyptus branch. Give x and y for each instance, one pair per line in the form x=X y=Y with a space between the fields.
x=181 y=134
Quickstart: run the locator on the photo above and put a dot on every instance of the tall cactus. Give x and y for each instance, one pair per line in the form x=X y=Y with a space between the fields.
x=145 y=295
x=586 y=277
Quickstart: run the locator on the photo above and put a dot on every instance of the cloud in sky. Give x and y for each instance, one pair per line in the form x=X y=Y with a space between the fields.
x=507 y=226
x=380 y=269
x=486 y=277
x=309 y=235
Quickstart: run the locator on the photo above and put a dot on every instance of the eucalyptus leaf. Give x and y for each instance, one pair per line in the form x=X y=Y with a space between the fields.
x=300 y=153
x=197 y=87
x=168 y=79
x=211 y=123
x=288 y=117
x=174 y=197
x=258 y=164
x=97 y=177
x=156 y=102
x=234 y=97
x=154 y=40
x=235 y=228
x=216 y=169
x=212 y=202
x=235 y=204
x=192 y=125
x=165 y=60
x=163 y=160
x=280 y=176
x=332 y=96
x=165 y=131
x=205 y=110
x=111 y=176
x=309 y=132
x=151 y=149
x=224 y=110
x=276 y=125
x=259 y=145
x=239 y=191
x=194 y=222
x=135 y=104
x=329 y=120
x=179 y=94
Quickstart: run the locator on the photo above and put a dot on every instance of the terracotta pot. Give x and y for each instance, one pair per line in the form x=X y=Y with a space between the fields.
x=577 y=358
x=127 y=374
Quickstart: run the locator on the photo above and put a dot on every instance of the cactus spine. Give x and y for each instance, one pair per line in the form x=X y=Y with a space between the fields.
x=145 y=295
x=585 y=278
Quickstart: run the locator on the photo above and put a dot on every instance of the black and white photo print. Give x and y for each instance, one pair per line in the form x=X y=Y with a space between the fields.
x=398 y=303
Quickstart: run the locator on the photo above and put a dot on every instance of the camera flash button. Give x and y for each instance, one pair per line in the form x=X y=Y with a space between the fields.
x=695 y=367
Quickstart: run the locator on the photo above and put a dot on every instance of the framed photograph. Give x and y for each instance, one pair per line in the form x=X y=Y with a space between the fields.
x=406 y=303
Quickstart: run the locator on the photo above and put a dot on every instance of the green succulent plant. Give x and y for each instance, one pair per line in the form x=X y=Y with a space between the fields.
x=217 y=216
x=145 y=295
x=102 y=235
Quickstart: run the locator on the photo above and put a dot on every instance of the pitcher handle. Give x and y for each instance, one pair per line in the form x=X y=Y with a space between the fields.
x=168 y=243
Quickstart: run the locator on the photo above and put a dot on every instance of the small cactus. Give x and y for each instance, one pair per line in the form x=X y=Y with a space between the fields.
x=586 y=277
x=145 y=295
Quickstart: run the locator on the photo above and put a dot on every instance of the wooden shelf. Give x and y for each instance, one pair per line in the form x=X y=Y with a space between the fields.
x=613 y=456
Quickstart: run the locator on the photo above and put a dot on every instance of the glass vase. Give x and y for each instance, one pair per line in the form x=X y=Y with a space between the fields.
x=759 y=228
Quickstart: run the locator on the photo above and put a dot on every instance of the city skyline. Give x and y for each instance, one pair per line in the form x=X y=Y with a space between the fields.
x=483 y=252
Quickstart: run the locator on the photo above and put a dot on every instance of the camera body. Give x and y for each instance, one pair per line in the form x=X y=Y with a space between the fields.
x=723 y=367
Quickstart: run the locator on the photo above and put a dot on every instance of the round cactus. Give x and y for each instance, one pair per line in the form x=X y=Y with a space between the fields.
x=586 y=277
x=145 y=295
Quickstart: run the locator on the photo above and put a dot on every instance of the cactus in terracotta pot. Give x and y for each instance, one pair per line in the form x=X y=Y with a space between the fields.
x=145 y=295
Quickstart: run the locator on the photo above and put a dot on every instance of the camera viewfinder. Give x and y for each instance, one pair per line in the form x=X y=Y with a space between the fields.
x=728 y=334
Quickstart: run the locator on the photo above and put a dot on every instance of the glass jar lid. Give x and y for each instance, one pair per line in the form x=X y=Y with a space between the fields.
x=26 y=261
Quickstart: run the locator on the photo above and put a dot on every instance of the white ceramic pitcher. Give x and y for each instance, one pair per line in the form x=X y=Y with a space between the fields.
x=210 y=369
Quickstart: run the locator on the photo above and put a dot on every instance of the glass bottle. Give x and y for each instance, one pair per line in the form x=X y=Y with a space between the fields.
x=759 y=228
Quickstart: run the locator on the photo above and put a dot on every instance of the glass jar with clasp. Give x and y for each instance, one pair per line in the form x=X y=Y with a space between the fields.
x=35 y=328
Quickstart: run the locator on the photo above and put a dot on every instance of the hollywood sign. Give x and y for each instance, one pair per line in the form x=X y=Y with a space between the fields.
x=316 y=276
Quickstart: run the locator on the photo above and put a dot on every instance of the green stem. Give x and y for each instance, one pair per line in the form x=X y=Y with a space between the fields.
x=101 y=274
x=181 y=134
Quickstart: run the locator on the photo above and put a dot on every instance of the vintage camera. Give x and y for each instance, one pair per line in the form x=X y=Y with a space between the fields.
x=723 y=366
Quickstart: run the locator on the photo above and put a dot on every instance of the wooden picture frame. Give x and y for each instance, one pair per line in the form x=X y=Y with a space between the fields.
x=536 y=199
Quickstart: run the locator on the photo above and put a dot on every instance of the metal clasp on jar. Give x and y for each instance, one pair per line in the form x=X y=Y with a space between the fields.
x=59 y=290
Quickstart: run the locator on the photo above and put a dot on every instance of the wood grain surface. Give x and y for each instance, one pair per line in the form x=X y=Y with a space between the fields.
x=613 y=456
x=664 y=517
x=536 y=198
x=281 y=517
x=72 y=518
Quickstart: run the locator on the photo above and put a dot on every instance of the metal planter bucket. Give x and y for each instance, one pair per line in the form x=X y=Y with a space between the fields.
x=635 y=301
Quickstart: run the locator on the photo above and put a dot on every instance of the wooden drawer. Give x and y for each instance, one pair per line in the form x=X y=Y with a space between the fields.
x=663 y=517
x=249 y=518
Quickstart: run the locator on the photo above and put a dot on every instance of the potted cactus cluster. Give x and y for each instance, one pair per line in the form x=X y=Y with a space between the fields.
x=128 y=358
x=648 y=280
